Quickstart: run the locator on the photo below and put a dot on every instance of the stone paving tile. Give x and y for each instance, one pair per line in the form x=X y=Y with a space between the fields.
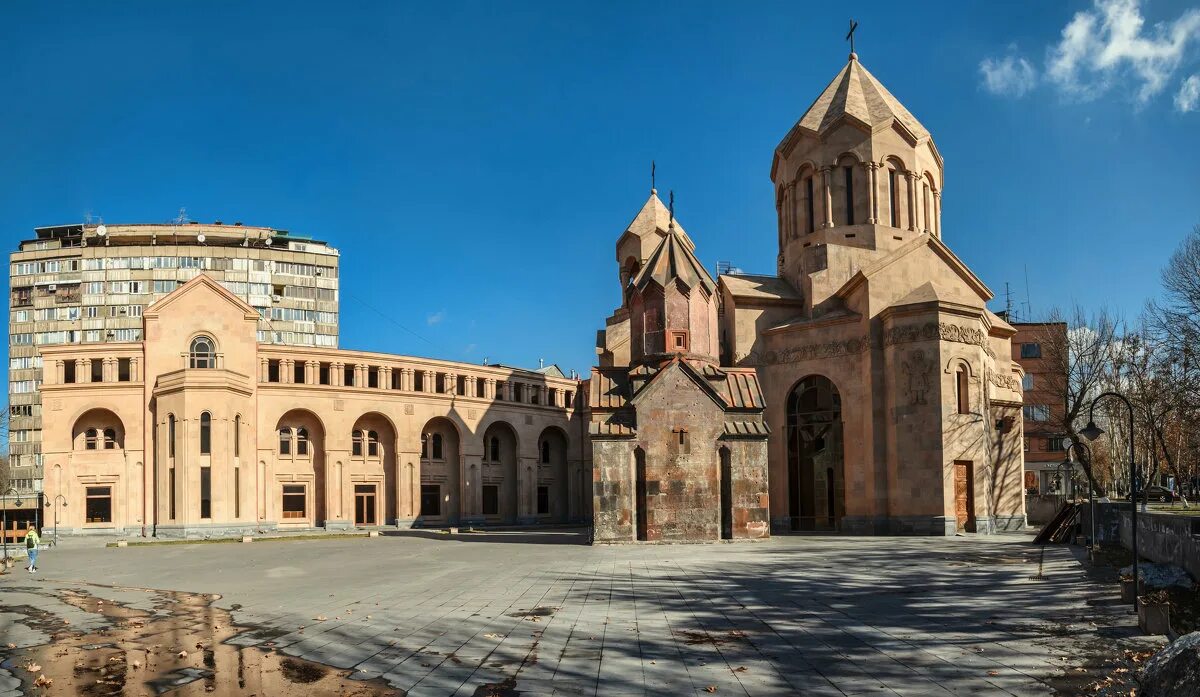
x=811 y=616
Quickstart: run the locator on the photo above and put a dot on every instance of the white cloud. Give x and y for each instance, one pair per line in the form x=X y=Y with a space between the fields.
x=1010 y=76
x=435 y=318
x=1110 y=42
x=1188 y=97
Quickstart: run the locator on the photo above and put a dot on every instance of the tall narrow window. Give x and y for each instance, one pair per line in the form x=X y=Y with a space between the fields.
x=171 y=437
x=237 y=436
x=962 y=387
x=110 y=438
x=90 y=439
x=205 y=434
x=437 y=446
x=301 y=441
x=237 y=492
x=545 y=452
x=494 y=449
x=424 y=446
x=356 y=443
x=893 y=197
x=171 y=493
x=810 y=212
x=203 y=353
x=205 y=492
x=372 y=444
x=849 y=195
x=925 y=206
x=285 y=441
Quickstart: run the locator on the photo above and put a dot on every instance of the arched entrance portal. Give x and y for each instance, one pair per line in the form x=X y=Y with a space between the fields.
x=816 y=476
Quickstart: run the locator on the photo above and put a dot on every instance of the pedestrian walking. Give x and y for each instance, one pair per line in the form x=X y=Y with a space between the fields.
x=31 y=549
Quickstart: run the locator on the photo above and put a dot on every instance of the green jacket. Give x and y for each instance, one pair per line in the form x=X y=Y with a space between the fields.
x=31 y=539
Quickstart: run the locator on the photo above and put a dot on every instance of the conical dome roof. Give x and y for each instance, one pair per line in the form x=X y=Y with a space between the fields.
x=673 y=259
x=855 y=93
x=655 y=218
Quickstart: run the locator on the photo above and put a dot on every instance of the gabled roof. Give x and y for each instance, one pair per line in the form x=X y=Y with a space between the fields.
x=612 y=389
x=653 y=219
x=674 y=260
x=760 y=287
x=856 y=95
x=197 y=283
x=919 y=242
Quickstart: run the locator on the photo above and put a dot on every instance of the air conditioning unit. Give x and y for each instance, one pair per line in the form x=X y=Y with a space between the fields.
x=277 y=298
x=51 y=288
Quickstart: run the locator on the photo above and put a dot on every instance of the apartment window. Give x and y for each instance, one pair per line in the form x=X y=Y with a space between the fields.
x=205 y=434
x=203 y=353
x=285 y=441
x=98 y=506
x=1056 y=444
x=1027 y=382
x=543 y=500
x=171 y=437
x=205 y=492
x=301 y=441
x=295 y=502
x=1036 y=412
x=491 y=499
x=431 y=499
x=1031 y=350
x=849 y=174
x=22 y=297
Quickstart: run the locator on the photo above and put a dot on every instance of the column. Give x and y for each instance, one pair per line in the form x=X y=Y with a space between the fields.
x=489 y=388
x=451 y=383
x=912 y=209
x=385 y=378
x=83 y=370
x=406 y=379
x=337 y=374
x=60 y=373
x=870 y=169
x=471 y=385
x=542 y=394
x=508 y=390
x=430 y=381
x=828 y=196
x=263 y=369
x=135 y=369
x=287 y=370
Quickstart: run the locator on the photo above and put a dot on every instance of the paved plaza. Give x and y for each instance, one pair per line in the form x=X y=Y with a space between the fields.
x=542 y=614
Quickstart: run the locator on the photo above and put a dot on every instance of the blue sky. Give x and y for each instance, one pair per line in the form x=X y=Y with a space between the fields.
x=475 y=162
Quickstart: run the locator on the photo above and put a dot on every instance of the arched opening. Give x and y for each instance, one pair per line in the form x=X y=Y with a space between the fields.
x=202 y=353
x=844 y=185
x=816 y=482
x=499 y=489
x=300 y=476
x=962 y=389
x=551 y=494
x=205 y=433
x=441 y=485
x=373 y=473
x=98 y=429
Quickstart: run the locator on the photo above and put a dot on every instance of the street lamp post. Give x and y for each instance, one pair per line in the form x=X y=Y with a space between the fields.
x=64 y=505
x=4 y=515
x=1092 y=432
x=1093 y=490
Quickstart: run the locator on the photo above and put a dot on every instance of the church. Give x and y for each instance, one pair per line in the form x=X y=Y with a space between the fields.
x=864 y=388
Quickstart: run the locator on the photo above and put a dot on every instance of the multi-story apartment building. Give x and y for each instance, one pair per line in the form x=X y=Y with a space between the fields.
x=1045 y=404
x=89 y=283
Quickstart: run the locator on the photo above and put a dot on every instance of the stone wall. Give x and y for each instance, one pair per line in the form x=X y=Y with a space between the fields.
x=1162 y=537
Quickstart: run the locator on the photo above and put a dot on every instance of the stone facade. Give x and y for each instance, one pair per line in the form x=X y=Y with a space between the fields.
x=889 y=390
x=200 y=429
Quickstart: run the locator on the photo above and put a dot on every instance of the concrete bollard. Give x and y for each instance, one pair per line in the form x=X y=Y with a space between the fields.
x=453 y=531
x=247 y=538
x=372 y=533
x=122 y=543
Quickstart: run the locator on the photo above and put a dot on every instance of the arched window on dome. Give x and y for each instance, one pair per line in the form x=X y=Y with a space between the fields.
x=810 y=209
x=894 y=196
x=848 y=175
x=203 y=353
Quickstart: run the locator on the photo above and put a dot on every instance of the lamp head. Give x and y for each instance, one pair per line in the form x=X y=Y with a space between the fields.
x=1091 y=431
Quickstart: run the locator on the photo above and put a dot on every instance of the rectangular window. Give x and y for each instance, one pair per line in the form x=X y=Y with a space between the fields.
x=97 y=367
x=123 y=369
x=205 y=492
x=324 y=374
x=418 y=381
x=273 y=371
x=431 y=500
x=1031 y=350
x=373 y=377
x=99 y=504
x=69 y=372
x=171 y=493
x=1036 y=412
x=1056 y=444
x=1027 y=382
x=849 y=195
x=295 y=502
x=894 y=197
x=237 y=492
x=543 y=500
x=348 y=376
x=298 y=373
x=491 y=499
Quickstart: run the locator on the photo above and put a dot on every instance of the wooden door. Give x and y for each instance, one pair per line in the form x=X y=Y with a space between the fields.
x=364 y=504
x=964 y=496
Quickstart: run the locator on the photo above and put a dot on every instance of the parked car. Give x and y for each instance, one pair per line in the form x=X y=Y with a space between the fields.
x=1157 y=493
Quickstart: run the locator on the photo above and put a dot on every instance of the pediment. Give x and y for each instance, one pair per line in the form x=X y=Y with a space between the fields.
x=202 y=284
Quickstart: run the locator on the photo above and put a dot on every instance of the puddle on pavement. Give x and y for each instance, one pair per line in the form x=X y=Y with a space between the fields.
x=178 y=649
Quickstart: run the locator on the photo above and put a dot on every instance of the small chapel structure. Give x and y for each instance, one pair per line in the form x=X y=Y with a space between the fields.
x=864 y=388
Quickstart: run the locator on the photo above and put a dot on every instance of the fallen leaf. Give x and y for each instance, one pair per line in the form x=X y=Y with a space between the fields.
x=12 y=646
x=740 y=669
x=183 y=654
x=43 y=681
x=136 y=664
x=32 y=667
x=711 y=688
x=993 y=673
x=319 y=618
